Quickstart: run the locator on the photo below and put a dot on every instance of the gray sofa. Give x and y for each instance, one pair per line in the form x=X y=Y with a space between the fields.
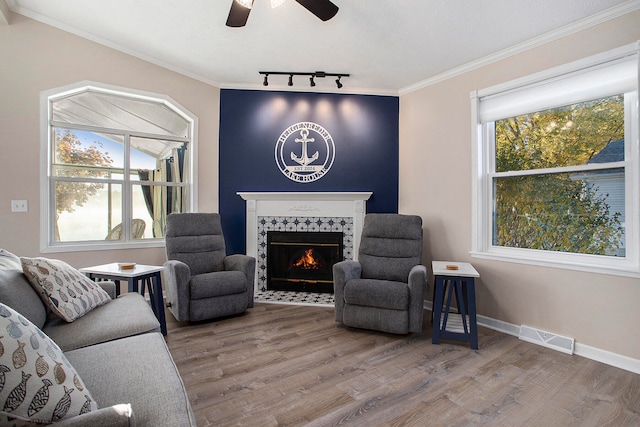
x=117 y=349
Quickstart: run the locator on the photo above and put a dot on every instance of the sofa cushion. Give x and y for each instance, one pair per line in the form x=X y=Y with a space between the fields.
x=67 y=292
x=377 y=293
x=125 y=316
x=9 y=260
x=38 y=382
x=138 y=370
x=16 y=291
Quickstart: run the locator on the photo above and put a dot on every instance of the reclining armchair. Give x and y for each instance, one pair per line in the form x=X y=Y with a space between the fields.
x=202 y=282
x=384 y=290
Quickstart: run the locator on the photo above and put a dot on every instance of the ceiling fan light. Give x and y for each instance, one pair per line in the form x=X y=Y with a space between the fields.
x=338 y=82
x=246 y=3
x=266 y=80
x=276 y=3
x=312 y=82
x=290 y=80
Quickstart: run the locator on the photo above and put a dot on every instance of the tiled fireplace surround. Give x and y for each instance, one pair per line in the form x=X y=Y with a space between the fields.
x=301 y=211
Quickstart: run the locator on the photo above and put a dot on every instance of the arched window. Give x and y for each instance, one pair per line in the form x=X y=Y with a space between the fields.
x=117 y=163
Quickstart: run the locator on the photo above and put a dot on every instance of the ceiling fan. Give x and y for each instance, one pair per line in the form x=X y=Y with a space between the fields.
x=240 y=9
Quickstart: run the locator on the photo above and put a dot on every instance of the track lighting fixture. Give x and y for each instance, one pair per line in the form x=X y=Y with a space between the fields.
x=312 y=76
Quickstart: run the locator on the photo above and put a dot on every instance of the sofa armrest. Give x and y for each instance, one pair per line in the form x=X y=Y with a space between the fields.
x=343 y=271
x=114 y=416
x=246 y=264
x=177 y=276
x=417 y=289
x=109 y=286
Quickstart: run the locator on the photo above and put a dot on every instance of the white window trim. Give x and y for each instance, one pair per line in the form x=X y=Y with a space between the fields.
x=482 y=165
x=46 y=197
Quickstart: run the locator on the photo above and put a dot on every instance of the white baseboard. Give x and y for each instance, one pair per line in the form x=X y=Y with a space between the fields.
x=583 y=350
x=604 y=356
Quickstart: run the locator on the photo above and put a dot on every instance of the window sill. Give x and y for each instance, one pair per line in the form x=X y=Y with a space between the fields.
x=567 y=265
x=102 y=246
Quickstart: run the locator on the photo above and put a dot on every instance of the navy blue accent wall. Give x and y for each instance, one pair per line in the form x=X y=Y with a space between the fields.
x=364 y=129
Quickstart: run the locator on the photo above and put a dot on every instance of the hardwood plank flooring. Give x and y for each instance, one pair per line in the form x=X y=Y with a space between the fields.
x=286 y=365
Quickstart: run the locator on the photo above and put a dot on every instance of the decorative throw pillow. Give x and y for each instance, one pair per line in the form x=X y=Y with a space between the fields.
x=67 y=292
x=38 y=385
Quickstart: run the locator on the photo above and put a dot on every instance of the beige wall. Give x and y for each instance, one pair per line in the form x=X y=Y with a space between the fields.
x=435 y=182
x=37 y=57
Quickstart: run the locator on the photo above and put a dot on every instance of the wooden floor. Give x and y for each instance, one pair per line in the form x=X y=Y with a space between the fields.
x=293 y=365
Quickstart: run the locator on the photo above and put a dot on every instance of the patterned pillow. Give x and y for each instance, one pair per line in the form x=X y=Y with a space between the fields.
x=67 y=292
x=37 y=383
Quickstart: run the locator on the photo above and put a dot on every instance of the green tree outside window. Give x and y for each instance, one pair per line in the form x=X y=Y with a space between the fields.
x=557 y=211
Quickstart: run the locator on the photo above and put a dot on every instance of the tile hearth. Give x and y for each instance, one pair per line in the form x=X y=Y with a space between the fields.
x=298 y=298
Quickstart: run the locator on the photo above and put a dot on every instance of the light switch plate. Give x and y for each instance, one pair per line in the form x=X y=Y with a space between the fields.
x=19 y=206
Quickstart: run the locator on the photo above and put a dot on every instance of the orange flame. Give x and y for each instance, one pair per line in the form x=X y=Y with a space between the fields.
x=307 y=261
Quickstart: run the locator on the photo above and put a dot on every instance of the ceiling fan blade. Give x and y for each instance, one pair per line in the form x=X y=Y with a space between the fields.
x=238 y=15
x=323 y=9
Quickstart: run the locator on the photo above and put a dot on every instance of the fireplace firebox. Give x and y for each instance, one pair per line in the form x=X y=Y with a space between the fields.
x=302 y=261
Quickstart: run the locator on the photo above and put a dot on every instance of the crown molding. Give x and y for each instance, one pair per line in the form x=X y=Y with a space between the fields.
x=10 y=6
x=599 y=18
x=108 y=43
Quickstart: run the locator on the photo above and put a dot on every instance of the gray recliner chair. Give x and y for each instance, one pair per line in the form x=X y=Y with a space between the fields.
x=384 y=290
x=202 y=282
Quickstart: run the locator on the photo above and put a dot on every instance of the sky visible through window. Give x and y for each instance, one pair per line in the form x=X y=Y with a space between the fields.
x=94 y=224
x=116 y=150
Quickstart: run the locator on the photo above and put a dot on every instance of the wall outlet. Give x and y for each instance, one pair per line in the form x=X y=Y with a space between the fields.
x=19 y=206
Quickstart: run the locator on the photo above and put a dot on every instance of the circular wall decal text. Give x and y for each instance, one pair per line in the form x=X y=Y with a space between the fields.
x=305 y=152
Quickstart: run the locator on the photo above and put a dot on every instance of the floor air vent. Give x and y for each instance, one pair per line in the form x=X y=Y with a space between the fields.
x=546 y=339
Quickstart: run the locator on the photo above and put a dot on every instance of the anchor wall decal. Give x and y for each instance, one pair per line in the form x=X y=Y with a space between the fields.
x=304 y=159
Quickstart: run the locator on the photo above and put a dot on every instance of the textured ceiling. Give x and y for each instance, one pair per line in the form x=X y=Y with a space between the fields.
x=388 y=46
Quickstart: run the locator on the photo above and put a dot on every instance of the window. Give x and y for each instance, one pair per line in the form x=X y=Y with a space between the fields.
x=117 y=163
x=557 y=167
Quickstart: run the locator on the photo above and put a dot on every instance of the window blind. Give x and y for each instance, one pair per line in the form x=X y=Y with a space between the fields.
x=560 y=87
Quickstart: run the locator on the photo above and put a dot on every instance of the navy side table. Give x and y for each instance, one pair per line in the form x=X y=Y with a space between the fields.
x=454 y=278
x=138 y=279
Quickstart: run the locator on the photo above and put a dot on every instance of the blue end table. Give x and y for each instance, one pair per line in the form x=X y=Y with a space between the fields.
x=138 y=279
x=454 y=278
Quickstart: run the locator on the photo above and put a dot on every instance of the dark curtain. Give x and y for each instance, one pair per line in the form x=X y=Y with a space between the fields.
x=147 y=190
x=143 y=174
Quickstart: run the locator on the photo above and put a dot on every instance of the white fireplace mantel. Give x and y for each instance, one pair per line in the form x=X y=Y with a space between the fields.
x=308 y=204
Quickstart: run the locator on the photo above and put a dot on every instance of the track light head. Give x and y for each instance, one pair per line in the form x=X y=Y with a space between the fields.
x=313 y=75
